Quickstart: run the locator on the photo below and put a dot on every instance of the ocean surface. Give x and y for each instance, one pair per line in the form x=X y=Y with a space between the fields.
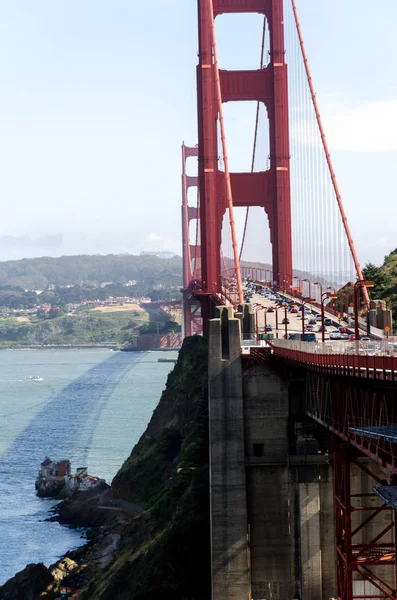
x=91 y=407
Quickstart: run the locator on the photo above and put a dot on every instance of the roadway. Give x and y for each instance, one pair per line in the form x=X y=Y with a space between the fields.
x=295 y=320
x=344 y=346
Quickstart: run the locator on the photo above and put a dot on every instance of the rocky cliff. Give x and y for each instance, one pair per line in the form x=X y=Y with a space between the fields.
x=163 y=551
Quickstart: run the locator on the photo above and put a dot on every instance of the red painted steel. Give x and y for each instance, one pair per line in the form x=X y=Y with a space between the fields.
x=228 y=186
x=362 y=366
x=269 y=189
x=355 y=557
x=191 y=253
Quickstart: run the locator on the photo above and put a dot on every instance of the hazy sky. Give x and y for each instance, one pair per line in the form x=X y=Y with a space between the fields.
x=96 y=97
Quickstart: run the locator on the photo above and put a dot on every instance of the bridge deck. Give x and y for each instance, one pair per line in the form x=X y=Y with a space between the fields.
x=354 y=359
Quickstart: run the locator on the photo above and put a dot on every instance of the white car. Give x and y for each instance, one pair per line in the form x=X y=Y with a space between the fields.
x=335 y=335
x=318 y=317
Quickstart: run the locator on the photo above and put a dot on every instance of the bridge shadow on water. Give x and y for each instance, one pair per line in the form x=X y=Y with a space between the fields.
x=65 y=426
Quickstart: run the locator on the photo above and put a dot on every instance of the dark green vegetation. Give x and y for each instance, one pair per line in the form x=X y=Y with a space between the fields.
x=87 y=278
x=37 y=273
x=385 y=279
x=58 y=315
x=84 y=327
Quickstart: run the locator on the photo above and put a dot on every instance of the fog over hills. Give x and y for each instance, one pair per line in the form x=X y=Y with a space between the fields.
x=16 y=247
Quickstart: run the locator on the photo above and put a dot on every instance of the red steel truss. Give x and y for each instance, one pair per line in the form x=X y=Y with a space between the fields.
x=190 y=252
x=356 y=559
x=269 y=189
x=344 y=403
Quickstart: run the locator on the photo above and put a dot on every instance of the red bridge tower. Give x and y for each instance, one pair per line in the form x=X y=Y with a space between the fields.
x=269 y=189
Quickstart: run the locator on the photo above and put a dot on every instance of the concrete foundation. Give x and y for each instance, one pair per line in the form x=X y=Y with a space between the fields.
x=272 y=519
x=229 y=527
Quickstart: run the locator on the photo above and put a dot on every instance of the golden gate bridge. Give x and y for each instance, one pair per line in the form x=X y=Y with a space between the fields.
x=292 y=186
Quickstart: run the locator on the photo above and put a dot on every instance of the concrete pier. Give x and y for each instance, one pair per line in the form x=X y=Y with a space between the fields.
x=229 y=542
x=272 y=520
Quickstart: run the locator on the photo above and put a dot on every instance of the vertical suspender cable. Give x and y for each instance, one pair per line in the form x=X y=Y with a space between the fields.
x=328 y=156
x=229 y=196
x=255 y=137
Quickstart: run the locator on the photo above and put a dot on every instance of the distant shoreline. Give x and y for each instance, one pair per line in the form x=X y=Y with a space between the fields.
x=59 y=346
x=109 y=346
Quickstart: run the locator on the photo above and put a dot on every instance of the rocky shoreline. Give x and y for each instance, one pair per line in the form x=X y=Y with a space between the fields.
x=105 y=517
x=148 y=533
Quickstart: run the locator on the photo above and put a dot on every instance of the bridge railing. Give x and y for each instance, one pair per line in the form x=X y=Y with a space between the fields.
x=371 y=348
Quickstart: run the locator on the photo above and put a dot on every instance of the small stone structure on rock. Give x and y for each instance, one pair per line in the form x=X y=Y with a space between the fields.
x=55 y=480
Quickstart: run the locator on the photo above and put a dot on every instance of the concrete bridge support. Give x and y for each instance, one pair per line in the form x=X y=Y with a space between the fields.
x=229 y=542
x=272 y=518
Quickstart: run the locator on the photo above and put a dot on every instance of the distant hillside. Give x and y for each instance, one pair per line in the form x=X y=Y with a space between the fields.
x=37 y=273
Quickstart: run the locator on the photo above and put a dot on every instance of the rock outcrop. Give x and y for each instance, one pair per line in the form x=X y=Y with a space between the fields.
x=28 y=584
x=67 y=486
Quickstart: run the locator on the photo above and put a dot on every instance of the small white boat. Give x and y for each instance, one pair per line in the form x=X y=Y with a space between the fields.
x=34 y=378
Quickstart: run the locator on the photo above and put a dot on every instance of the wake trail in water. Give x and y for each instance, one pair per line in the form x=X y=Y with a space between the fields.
x=64 y=427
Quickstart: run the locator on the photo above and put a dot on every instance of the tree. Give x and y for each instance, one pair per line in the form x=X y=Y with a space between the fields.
x=381 y=279
x=55 y=312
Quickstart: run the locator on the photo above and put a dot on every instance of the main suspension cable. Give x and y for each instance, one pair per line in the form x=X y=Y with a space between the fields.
x=328 y=157
x=255 y=136
x=229 y=196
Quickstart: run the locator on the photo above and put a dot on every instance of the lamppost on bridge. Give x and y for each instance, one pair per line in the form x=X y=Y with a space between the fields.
x=257 y=307
x=304 y=302
x=285 y=322
x=329 y=287
x=360 y=283
x=323 y=299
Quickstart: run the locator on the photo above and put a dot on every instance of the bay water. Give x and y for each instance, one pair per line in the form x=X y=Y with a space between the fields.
x=89 y=406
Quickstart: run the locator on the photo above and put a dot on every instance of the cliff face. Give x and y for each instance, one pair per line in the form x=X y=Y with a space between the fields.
x=167 y=437
x=163 y=552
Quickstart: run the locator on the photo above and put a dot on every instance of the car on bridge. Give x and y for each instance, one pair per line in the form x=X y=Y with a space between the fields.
x=268 y=327
x=312 y=322
x=294 y=311
x=327 y=321
x=318 y=317
x=285 y=321
x=270 y=309
x=335 y=335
